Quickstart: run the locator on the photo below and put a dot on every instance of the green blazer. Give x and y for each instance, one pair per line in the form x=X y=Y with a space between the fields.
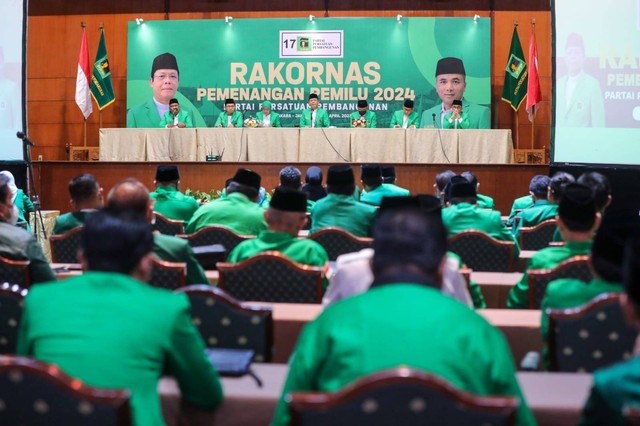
x=173 y=203
x=174 y=249
x=586 y=106
x=322 y=118
x=236 y=119
x=24 y=205
x=345 y=212
x=112 y=331
x=68 y=221
x=370 y=116
x=183 y=117
x=397 y=118
x=143 y=115
x=479 y=116
x=274 y=118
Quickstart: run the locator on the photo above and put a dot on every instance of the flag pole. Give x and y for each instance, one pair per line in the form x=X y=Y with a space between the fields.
x=83 y=25
x=100 y=109
x=533 y=121
x=515 y=24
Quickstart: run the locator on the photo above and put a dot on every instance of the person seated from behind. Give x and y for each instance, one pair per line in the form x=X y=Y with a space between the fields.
x=170 y=202
x=606 y=266
x=442 y=180
x=313 y=184
x=373 y=190
x=541 y=209
x=462 y=213
x=86 y=197
x=524 y=202
x=130 y=194
x=18 y=244
x=392 y=324
x=117 y=332
x=483 y=201
x=238 y=210
x=176 y=118
x=339 y=208
x=615 y=387
x=285 y=217
x=577 y=221
x=389 y=181
x=291 y=177
x=457 y=118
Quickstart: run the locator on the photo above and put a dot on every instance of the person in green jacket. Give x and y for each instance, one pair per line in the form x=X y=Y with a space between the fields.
x=462 y=213
x=18 y=244
x=86 y=197
x=19 y=199
x=237 y=211
x=229 y=117
x=541 y=210
x=130 y=194
x=577 y=221
x=363 y=117
x=176 y=117
x=169 y=201
x=606 y=265
x=164 y=82
x=421 y=328
x=526 y=201
x=314 y=116
x=285 y=218
x=457 y=118
x=110 y=329
x=339 y=208
x=484 y=201
x=406 y=118
x=450 y=84
x=442 y=180
x=389 y=180
x=373 y=190
x=266 y=117
x=291 y=177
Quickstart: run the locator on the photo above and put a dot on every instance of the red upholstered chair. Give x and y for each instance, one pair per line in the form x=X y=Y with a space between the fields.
x=167 y=226
x=64 y=248
x=214 y=234
x=15 y=272
x=169 y=275
x=11 y=297
x=575 y=267
x=481 y=252
x=537 y=237
x=400 y=396
x=337 y=241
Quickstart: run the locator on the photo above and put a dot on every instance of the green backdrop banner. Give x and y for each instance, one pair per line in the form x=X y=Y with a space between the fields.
x=283 y=60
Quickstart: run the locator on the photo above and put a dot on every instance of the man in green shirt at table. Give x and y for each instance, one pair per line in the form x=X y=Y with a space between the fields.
x=406 y=118
x=176 y=117
x=229 y=117
x=363 y=117
x=577 y=221
x=541 y=210
x=314 y=116
x=389 y=180
x=403 y=319
x=238 y=210
x=285 y=217
x=170 y=202
x=86 y=198
x=110 y=329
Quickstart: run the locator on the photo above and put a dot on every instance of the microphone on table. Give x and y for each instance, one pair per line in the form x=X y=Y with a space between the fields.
x=24 y=138
x=433 y=116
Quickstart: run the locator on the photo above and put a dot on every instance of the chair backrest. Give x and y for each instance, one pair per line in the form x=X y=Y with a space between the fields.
x=39 y=394
x=589 y=337
x=224 y=322
x=337 y=241
x=169 y=275
x=401 y=396
x=481 y=252
x=11 y=296
x=15 y=272
x=215 y=235
x=575 y=267
x=64 y=248
x=537 y=237
x=167 y=226
x=272 y=277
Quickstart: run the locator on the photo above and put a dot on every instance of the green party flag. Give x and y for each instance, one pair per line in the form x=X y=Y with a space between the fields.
x=515 y=76
x=101 y=85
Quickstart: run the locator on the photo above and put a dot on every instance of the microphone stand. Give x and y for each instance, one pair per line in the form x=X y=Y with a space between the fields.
x=26 y=147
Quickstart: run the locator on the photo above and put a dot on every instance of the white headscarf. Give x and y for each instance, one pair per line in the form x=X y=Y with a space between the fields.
x=11 y=184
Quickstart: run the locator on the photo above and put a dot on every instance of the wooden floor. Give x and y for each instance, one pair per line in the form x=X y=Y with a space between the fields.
x=502 y=182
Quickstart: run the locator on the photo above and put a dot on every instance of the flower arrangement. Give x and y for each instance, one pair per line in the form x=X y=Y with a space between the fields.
x=359 y=122
x=203 y=197
x=251 y=122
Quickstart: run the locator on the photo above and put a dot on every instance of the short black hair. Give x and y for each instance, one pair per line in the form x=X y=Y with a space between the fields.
x=84 y=187
x=443 y=178
x=346 y=189
x=290 y=177
x=600 y=185
x=4 y=188
x=631 y=269
x=473 y=180
x=408 y=236
x=247 y=190
x=539 y=185
x=558 y=182
x=607 y=252
x=116 y=241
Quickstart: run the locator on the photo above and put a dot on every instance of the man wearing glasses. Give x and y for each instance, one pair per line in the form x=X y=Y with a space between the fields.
x=164 y=81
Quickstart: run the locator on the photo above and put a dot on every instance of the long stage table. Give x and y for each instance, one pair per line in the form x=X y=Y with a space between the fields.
x=556 y=399
x=294 y=145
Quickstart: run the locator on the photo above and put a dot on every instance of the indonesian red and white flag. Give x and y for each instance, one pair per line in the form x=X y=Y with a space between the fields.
x=83 y=92
x=534 y=96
